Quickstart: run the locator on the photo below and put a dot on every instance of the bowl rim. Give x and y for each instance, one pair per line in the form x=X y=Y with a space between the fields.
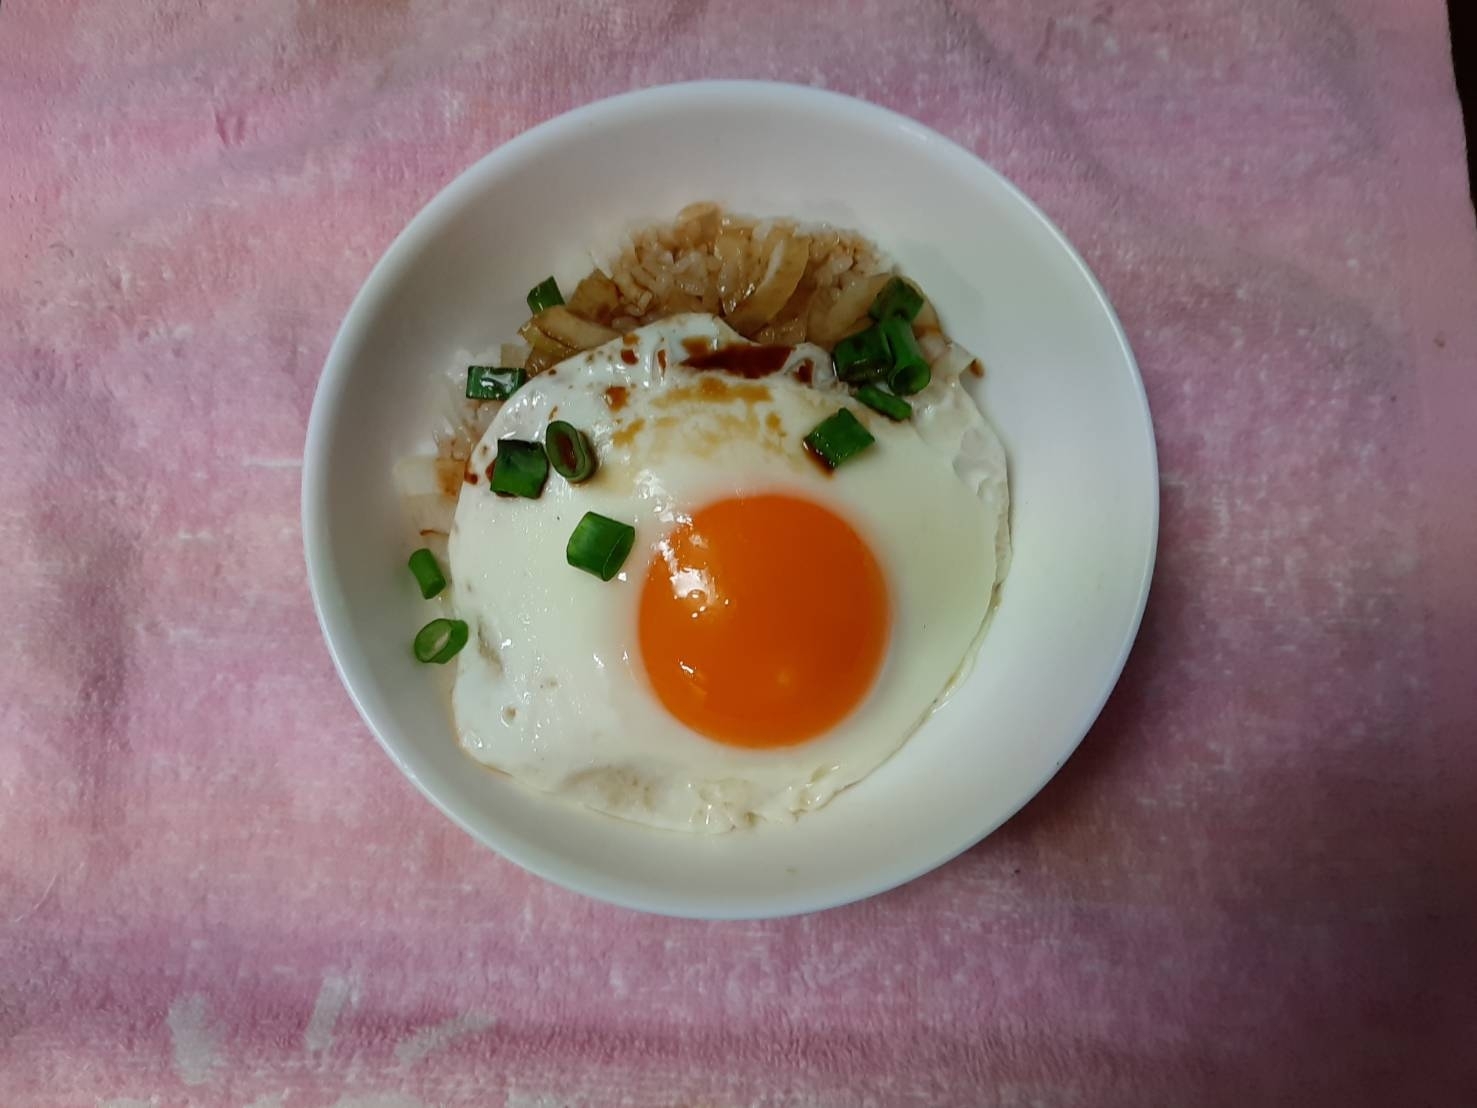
x=332 y=383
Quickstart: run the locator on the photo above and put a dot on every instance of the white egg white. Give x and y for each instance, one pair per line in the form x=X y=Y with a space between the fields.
x=551 y=688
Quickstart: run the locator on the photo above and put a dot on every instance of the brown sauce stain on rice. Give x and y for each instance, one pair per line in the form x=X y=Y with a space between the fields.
x=628 y=356
x=805 y=371
x=449 y=475
x=676 y=435
x=714 y=390
x=696 y=347
x=705 y=419
x=615 y=397
x=627 y=433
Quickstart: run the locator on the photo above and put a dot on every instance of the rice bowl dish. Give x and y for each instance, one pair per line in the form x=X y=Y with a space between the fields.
x=754 y=438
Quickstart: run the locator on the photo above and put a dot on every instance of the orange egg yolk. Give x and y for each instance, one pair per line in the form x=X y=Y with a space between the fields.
x=763 y=621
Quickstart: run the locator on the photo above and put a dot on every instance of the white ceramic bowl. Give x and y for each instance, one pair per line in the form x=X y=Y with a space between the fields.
x=1062 y=389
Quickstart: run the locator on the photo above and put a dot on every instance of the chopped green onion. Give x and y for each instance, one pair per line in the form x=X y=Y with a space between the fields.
x=838 y=438
x=909 y=372
x=569 y=451
x=861 y=357
x=908 y=379
x=439 y=641
x=520 y=470
x=487 y=382
x=599 y=545
x=897 y=298
x=893 y=407
x=427 y=573
x=543 y=295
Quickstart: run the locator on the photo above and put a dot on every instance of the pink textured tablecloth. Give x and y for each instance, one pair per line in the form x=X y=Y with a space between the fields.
x=1256 y=883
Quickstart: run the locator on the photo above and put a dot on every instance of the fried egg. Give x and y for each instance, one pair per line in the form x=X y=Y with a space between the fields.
x=777 y=631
